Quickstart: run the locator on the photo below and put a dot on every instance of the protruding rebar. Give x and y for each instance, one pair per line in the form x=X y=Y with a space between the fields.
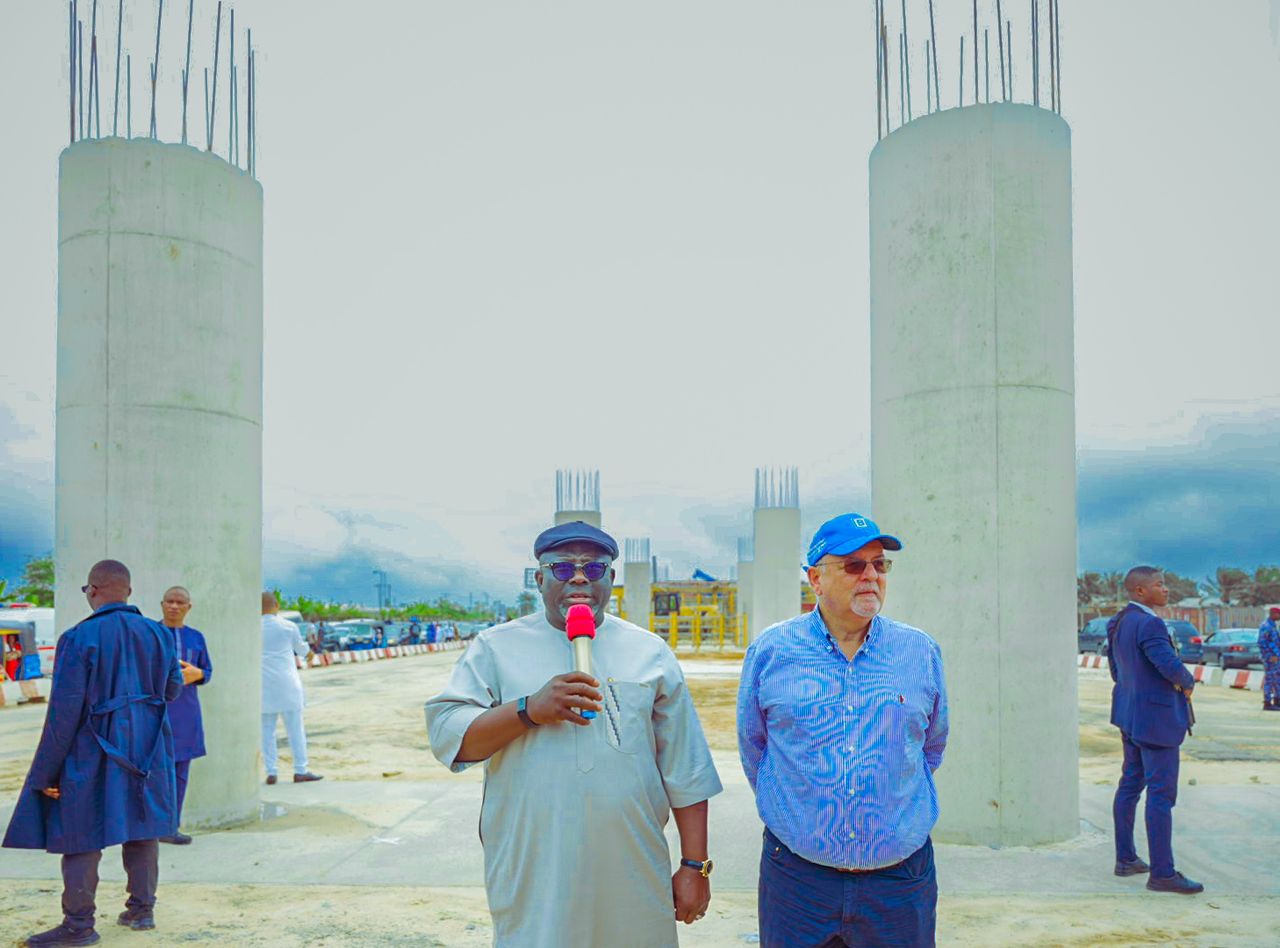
x=1053 y=68
x=928 y=86
x=155 y=68
x=115 y=107
x=976 y=96
x=71 y=61
x=128 y=95
x=906 y=56
x=986 y=64
x=93 y=66
x=1004 y=95
x=80 y=73
x=186 y=69
x=1008 y=45
x=1035 y=52
x=231 y=90
x=902 y=82
x=933 y=36
x=213 y=101
x=1057 y=41
x=960 y=94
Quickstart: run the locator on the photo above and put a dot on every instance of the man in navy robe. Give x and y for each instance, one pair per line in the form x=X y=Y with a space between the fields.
x=184 y=711
x=103 y=771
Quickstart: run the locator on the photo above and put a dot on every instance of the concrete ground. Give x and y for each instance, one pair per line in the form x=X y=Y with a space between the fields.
x=384 y=851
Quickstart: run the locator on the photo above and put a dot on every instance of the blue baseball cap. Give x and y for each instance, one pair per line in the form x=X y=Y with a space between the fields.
x=846 y=533
x=575 y=531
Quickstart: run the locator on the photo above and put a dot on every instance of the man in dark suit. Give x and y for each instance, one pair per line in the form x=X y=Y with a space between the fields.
x=1151 y=705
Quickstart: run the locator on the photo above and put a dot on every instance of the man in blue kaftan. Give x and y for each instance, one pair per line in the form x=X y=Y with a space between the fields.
x=103 y=770
x=1269 y=646
x=184 y=711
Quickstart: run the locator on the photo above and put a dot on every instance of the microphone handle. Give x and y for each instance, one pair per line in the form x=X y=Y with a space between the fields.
x=582 y=663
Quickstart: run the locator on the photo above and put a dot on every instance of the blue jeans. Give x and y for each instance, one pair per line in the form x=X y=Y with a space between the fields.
x=1156 y=770
x=805 y=905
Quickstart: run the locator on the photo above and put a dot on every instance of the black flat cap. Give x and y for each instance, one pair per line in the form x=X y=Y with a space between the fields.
x=575 y=531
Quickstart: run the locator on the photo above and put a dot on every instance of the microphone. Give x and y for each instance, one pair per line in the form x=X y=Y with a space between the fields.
x=580 y=626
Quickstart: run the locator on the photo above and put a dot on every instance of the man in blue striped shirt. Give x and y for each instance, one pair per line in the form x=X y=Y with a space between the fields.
x=842 y=720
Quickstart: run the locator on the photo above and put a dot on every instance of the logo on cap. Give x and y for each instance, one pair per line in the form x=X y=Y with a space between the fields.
x=859 y=522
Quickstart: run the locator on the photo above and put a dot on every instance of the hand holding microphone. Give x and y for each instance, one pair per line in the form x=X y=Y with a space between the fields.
x=580 y=626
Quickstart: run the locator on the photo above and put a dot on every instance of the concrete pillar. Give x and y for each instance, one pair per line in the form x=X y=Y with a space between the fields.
x=973 y=448
x=776 y=570
x=578 y=497
x=159 y=416
x=746 y=565
x=637 y=595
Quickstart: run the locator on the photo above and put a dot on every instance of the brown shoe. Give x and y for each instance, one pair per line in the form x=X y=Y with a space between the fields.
x=306 y=778
x=271 y=778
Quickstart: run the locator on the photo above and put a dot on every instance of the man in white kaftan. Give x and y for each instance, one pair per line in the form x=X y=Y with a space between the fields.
x=282 y=695
x=574 y=809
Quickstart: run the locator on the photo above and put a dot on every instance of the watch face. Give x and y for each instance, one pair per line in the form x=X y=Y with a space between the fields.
x=707 y=867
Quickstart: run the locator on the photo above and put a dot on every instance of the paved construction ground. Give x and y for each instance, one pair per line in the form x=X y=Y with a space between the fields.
x=384 y=851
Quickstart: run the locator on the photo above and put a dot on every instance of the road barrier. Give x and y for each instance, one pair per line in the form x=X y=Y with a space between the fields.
x=356 y=656
x=1241 y=678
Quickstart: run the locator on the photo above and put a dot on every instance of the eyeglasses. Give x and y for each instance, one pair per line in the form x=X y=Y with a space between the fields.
x=87 y=586
x=565 y=570
x=856 y=567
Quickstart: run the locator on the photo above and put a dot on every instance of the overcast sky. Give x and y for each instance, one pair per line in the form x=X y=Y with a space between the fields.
x=503 y=237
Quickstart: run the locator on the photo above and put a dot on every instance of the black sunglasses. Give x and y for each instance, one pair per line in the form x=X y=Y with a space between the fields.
x=857 y=567
x=564 y=570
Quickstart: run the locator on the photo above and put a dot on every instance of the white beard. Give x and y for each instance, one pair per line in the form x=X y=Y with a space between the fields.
x=866 y=605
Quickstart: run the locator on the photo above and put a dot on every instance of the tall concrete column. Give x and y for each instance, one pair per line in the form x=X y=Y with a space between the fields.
x=637 y=595
x=973 y=448
x=578 y=497
x=776 y=570
x=159 y=416
x=746 y=565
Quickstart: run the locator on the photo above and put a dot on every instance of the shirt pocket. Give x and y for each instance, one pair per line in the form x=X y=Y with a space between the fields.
x=628 y=711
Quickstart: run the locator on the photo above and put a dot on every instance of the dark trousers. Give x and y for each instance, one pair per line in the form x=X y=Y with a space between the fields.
x=181 y=768
x=1156 y=770
x=805 y=905
x=80 y=881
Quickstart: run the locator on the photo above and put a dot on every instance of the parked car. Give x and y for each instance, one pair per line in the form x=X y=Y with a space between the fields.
x=1233 y=648
x=1186 y=640
x=1093 y=637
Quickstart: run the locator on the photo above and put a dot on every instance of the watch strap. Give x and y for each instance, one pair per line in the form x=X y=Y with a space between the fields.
x=703 y=867
x=522 y=712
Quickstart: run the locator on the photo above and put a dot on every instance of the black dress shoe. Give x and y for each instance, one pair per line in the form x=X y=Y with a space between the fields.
x=1131 y=867
x=306 y=778
x=177 y=839
x=140 y=920
x=1174 y=883
x=63 y=935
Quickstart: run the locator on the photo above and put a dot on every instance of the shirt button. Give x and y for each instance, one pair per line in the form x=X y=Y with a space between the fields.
x=848 y=707
x=853 y=835
x=851 y=792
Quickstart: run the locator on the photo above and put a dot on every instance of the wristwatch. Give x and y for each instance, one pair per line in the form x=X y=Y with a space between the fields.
x=704 y=867
x=522 y=712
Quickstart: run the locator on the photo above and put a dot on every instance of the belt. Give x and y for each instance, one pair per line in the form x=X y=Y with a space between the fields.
x=865 y=872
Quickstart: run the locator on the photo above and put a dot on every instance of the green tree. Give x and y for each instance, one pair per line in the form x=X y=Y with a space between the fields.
x=1266 y=586
x=526 y=603
x=37 y=581
x=1089 y=588
x=1235 y=586
x=5 y=595
x=1180 y=587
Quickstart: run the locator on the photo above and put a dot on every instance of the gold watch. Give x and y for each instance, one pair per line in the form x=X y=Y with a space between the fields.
x=704 y=867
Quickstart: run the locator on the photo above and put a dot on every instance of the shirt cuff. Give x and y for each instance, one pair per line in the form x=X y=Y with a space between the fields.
x=702 y=785
x=447 y=735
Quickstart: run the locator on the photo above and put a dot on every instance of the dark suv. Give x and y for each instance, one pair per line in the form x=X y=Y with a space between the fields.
x=1093 y=637
x=1186 y=640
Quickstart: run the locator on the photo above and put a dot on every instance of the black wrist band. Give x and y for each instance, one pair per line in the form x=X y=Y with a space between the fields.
x=522 y=712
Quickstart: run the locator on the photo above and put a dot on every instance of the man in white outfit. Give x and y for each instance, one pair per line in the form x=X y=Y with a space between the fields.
x=282 y=690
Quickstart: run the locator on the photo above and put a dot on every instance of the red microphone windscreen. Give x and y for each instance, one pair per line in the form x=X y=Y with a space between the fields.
x=580 y=621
